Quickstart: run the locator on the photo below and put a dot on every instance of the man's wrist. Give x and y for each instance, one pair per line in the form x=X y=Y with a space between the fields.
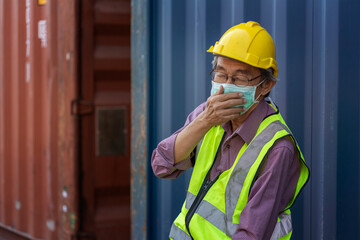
x=203 y=122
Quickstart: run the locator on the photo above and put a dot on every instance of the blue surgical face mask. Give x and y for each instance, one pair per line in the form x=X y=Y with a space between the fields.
x=248 y=91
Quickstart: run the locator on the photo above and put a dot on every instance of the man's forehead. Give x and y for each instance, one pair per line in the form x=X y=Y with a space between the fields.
x=225 y=62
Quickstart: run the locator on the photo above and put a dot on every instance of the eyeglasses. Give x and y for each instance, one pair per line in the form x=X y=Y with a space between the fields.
x=222 y=77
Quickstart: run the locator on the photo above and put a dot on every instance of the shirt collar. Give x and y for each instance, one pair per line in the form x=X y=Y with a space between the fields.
x=248 y=129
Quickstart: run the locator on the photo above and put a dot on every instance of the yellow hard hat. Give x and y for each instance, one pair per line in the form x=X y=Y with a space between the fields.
x=249 y=43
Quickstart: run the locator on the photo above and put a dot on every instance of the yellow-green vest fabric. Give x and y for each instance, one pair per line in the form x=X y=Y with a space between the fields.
x=217 y=215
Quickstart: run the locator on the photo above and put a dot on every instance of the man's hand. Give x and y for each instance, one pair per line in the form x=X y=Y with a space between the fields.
x=219 y=110
x=219 y=107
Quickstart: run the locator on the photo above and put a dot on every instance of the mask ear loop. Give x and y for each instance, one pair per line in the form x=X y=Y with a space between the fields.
x=271 y=101
x=256 y=99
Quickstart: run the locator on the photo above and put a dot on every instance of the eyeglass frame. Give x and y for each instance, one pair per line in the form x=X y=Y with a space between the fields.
x=232 y=79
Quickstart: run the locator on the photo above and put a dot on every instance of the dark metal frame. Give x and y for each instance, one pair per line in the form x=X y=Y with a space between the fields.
x=139 y=117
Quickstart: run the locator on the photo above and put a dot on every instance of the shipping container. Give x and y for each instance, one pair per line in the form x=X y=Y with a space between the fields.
x=318 y=94
x=65 y=119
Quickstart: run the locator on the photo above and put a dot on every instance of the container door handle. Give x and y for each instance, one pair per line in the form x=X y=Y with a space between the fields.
x=81 y=107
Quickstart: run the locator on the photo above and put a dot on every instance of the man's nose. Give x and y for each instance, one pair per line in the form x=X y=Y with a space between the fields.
x=229 y=80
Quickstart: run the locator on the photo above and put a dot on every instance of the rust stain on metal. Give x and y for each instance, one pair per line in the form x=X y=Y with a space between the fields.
x=139 y=119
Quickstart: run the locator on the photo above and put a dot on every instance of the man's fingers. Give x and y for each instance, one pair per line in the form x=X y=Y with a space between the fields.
x=231 y=111
x=226 y=96
x=232 y=102
x=229 y=114
x=216 y=104
x=220 y=91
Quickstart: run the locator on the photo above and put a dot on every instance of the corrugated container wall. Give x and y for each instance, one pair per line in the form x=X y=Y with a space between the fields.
x=37 y=133
x=318 y=94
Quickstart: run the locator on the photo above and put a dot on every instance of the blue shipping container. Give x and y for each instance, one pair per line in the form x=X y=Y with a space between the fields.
x=318 y=54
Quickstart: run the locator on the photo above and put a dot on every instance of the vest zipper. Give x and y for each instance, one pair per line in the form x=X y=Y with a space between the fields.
x=206 y=185
x=200 y=196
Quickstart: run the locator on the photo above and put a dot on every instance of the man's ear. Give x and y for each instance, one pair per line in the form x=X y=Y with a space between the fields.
x=267 y=86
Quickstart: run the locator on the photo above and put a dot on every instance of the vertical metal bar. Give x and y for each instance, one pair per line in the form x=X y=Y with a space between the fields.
x=190 y=100
x=318 y=120
x=268 y=9
x=324 y=151
x=165 y=70
x=2 y=116
x=39 y=126
x=226 y=18
x=200 y=52
x=23 y=190
x=348 y=215
x=87 y=123
x=46 y=17
x=68 y=130
x=29 y=114
x=165 y=93
x=52 y=187
x=8 y=112
x=279 y=34
x=139 y=120
x=15 y=110
x=307 y=146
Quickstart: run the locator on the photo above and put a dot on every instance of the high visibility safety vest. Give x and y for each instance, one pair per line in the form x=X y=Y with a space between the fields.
x=212 y=208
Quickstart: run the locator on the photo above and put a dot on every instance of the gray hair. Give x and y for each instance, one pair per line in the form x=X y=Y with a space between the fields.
x=267 y=73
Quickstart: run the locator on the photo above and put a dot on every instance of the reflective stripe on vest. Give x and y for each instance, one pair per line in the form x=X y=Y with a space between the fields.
x=208 y=211
x=282 y=227
x=211 y=213
x=237 y=178
x=217 y=218
x=177 y=233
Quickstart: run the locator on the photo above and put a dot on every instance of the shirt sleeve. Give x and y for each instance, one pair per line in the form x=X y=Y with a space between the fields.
x=162 y=159
x=271 y=192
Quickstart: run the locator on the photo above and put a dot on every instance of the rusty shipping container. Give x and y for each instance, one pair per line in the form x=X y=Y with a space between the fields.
x=64 y=119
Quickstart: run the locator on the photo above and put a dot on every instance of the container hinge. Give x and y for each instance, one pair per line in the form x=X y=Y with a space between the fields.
x=83 y=236
x=81 y=107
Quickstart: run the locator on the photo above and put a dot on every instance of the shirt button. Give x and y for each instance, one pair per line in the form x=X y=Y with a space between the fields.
x=228 y=146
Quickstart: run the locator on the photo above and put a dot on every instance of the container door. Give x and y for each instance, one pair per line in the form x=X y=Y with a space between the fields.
x=104 y=110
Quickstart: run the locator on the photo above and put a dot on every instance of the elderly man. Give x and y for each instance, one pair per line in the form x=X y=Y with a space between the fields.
x=248 y=168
